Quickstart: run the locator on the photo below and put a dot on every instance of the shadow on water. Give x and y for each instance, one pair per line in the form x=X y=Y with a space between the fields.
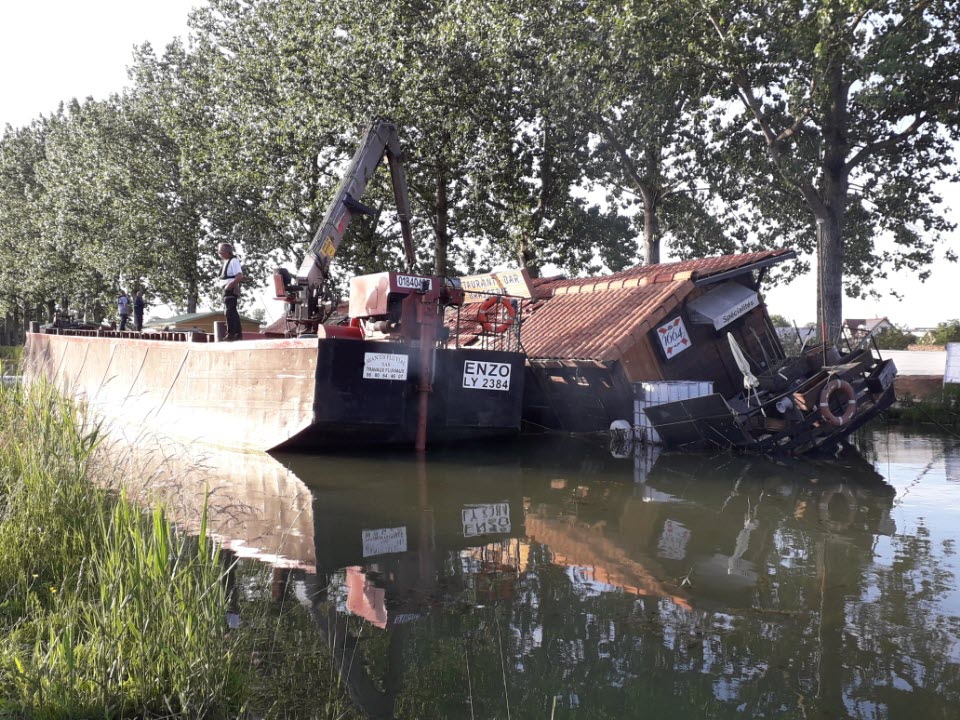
x=548 y=578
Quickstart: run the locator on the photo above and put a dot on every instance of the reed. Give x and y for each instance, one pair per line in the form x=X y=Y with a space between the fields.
x=106 y=610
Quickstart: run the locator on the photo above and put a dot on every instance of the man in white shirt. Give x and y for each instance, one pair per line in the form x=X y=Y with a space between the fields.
x=231 y=274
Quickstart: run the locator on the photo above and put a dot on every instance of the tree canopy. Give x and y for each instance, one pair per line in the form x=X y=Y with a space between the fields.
x=567 y=134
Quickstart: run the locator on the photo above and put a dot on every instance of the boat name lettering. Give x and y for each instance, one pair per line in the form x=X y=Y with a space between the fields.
x=485 y=519
x=736 y=312
x=486 y=375
x=384 y=366
x=412 y=282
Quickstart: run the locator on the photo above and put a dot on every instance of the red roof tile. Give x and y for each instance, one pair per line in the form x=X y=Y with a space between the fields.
x=600 y=318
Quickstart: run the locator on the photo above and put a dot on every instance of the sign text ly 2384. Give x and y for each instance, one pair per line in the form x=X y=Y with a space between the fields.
x=486 y=375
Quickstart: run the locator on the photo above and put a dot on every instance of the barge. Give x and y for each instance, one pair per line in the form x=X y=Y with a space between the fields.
x=341 y=386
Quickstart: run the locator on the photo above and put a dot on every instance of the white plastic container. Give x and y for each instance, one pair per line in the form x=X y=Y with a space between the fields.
x=648 y=394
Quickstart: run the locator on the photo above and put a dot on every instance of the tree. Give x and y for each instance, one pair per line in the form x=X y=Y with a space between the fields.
x=643 y=91
x=894 y=338
x=945 y=332
x=847 y=113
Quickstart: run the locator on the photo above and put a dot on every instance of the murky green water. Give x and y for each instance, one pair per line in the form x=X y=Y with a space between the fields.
x=552 y=580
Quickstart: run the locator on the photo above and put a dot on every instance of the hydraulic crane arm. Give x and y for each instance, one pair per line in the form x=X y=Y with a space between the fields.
x=379 y=139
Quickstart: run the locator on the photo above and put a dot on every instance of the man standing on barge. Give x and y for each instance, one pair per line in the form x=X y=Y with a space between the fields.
x=123 y=309
x=231 y=274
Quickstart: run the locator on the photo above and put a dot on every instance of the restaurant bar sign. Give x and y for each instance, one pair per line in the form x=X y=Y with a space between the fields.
x=515 y=283
x=673 y=337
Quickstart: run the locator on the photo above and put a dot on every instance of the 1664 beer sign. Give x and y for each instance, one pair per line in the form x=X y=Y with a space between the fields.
x=673 y=337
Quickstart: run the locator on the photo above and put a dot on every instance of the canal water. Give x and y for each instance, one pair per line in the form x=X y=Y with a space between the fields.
x=551 y=579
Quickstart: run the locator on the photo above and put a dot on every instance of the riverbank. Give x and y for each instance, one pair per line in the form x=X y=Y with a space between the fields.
x=934 y=408
x=108 y=610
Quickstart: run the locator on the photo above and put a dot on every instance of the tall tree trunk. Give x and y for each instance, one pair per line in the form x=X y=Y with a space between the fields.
x=834 y=189
x=192 y=294
x=829 y=277
x=651 y=229
x=527 y=257
x=441 y=226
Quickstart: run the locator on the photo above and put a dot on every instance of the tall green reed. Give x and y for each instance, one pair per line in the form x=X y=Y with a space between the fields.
x=107 y=611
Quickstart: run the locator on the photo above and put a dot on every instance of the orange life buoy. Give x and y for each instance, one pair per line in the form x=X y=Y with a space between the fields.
x=489 y=312
x=847 y=396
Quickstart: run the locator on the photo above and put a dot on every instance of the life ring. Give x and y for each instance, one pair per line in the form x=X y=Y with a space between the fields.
x=847 y=510
x=489 y=312
x=847 y=396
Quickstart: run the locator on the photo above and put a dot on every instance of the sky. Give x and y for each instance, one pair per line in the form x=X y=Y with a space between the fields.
x=55 y=50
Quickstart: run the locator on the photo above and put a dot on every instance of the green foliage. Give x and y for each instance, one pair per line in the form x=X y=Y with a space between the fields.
x=107 y=610
x=833 y=124
x=713 y=127
x=944 y=333
x=894 y=338
x=780 y=321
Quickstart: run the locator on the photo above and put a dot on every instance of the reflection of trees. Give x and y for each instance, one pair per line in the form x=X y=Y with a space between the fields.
x=822 y=631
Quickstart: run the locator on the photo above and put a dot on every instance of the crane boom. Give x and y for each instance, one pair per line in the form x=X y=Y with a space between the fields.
x=379 y=139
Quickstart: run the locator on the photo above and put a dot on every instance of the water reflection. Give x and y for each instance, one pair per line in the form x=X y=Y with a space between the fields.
x=554 y=580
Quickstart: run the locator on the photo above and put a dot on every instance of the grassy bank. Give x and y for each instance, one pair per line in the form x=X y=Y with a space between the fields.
x=106 y=610
x=943 y=410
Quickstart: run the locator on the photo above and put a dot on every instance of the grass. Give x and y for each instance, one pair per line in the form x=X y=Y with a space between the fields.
x=106 y=610
x=10 y=356
x=943 y=411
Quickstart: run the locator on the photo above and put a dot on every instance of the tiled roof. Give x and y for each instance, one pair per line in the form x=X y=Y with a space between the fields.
x=598 y=325
x=599 y=318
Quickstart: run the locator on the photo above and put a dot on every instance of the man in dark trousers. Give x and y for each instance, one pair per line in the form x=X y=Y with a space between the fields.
x=123 y=309
x=138 y=311
x=231 y=275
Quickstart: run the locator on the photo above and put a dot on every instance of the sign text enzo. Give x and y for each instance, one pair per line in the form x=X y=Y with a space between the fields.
x=486 y=375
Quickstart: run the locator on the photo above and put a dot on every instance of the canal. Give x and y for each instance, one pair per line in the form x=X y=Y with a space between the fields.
x=551 y=579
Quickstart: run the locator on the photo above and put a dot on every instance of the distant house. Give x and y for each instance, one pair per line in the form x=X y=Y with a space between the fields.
x=202 y=321
x=860 y=328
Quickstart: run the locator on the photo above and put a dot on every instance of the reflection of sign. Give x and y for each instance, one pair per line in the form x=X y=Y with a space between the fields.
x=412 y=282
x=502 y=282
x=673 y=541
x=384 y=366
x=673 y=337
x=485 y=519
x=486 y=375
x=384 y=540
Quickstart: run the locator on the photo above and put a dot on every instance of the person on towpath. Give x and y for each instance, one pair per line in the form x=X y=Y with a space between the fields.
x=123 y=309
x=231 y=275
x=138 y=311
